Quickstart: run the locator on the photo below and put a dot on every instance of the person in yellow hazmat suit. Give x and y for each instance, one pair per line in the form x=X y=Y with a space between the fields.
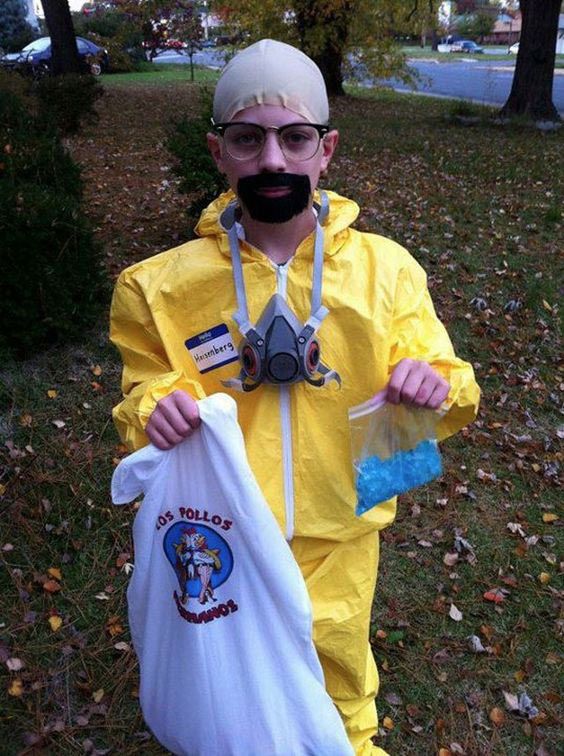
x=282 y=304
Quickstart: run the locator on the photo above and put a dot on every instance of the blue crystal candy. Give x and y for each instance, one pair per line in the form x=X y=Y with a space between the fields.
x=379 y=480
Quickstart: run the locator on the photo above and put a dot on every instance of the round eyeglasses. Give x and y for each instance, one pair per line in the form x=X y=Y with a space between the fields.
x=245 y=141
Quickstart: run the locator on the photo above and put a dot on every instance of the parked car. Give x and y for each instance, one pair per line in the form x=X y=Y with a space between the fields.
x=37 y=56
x=514 y=49
x=467 y=46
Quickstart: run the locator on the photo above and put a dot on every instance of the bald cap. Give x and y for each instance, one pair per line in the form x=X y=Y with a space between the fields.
x=271 y=73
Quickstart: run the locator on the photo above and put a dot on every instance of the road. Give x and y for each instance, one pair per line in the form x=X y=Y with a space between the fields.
x=470 y=79
x=487 y=81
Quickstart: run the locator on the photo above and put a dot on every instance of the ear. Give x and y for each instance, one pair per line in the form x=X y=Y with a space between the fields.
x=329 y=145
x=214 y=146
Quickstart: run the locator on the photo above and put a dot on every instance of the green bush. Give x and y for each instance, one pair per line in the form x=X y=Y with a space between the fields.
x=121 y=60
x=68 y=101
x=117 y=33
x=52 y=282
x=102 y=23
x=195 y=166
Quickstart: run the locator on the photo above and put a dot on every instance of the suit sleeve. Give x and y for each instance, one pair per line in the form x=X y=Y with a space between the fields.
x=147 y=373
x=418 y=334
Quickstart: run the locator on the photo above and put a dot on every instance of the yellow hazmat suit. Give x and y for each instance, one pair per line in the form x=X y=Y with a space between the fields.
x=297 y=437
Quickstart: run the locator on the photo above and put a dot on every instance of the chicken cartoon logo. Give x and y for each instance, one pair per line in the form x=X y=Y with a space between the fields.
x=202 y=561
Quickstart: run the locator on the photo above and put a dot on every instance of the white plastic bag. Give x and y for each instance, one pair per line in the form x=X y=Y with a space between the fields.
x=394 y=449
x=218 y=609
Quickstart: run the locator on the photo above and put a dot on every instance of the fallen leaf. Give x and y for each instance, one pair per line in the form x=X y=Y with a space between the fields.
x=16 y=688
x=55 y=572
x=114 y=627
x=526 y=707
x=2 y=489
x=388 y=723
x=497 y=716
x=7 y=546
x=51 y=586
x=96 y=370
x=455 y=613
x=476 y=644
x=516 y=529
x=55 y=622
x=450 y=558
x=544 y=578
x=497 y=595
x=511 y=701
x=122 y=559
x=549 y=517
x=445 y=752
x=102 y=596
x=14 y=664
x=26 y=420
x=58 y=423
x=52 y=393
x=98 y=695
x=487 y=631
x=122 y=646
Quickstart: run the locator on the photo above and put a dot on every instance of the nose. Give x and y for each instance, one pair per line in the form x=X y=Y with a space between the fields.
x=272 y=159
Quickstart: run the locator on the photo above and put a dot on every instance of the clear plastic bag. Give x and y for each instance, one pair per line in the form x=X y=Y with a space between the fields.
x=394 y=449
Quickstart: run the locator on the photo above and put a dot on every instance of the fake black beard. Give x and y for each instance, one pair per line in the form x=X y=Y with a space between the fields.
x=274 y=209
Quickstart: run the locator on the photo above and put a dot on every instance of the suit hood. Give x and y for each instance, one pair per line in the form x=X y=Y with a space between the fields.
x=342 y=213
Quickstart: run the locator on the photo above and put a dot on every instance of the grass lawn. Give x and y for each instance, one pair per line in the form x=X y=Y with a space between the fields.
x=474 y=554
x=159 y=74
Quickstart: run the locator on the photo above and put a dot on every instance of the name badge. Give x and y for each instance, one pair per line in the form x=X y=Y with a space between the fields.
x=212 y=348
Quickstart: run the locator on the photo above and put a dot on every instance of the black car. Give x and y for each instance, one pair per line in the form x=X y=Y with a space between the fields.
x=467 y=46
x=37 y=57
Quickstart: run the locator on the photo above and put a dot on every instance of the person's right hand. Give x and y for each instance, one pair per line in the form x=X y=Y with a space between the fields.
x=174 y=418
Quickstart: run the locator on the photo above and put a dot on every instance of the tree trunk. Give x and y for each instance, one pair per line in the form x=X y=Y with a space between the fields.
x=64 y=53
x=323 y=36
x=330 y=64
x=531 y=92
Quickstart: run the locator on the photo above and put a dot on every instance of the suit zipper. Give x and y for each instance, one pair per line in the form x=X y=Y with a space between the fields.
x=286 y=424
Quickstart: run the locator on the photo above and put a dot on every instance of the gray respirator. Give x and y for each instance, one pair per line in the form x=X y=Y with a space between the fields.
x=279 y=349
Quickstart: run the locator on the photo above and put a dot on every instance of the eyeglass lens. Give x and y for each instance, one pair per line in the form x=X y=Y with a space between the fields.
x=297 y=141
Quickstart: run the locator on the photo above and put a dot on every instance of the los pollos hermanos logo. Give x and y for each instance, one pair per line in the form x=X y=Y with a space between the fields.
x=202 y=561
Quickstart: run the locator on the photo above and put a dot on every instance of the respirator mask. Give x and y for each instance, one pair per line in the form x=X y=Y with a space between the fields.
x=279 y=349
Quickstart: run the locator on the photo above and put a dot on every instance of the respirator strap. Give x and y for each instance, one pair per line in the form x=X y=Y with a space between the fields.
x=241 y=317
x=318 y=258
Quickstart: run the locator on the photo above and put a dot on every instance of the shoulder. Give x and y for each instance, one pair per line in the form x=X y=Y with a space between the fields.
x=384 y=255
x=174 y=264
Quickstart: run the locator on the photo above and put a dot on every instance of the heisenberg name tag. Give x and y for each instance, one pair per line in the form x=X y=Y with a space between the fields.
x=212 y=349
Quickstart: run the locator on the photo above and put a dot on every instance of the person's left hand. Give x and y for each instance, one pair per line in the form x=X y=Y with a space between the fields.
x=416 y=383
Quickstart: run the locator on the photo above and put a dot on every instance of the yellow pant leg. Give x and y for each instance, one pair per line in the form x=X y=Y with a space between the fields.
x=341 y=578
